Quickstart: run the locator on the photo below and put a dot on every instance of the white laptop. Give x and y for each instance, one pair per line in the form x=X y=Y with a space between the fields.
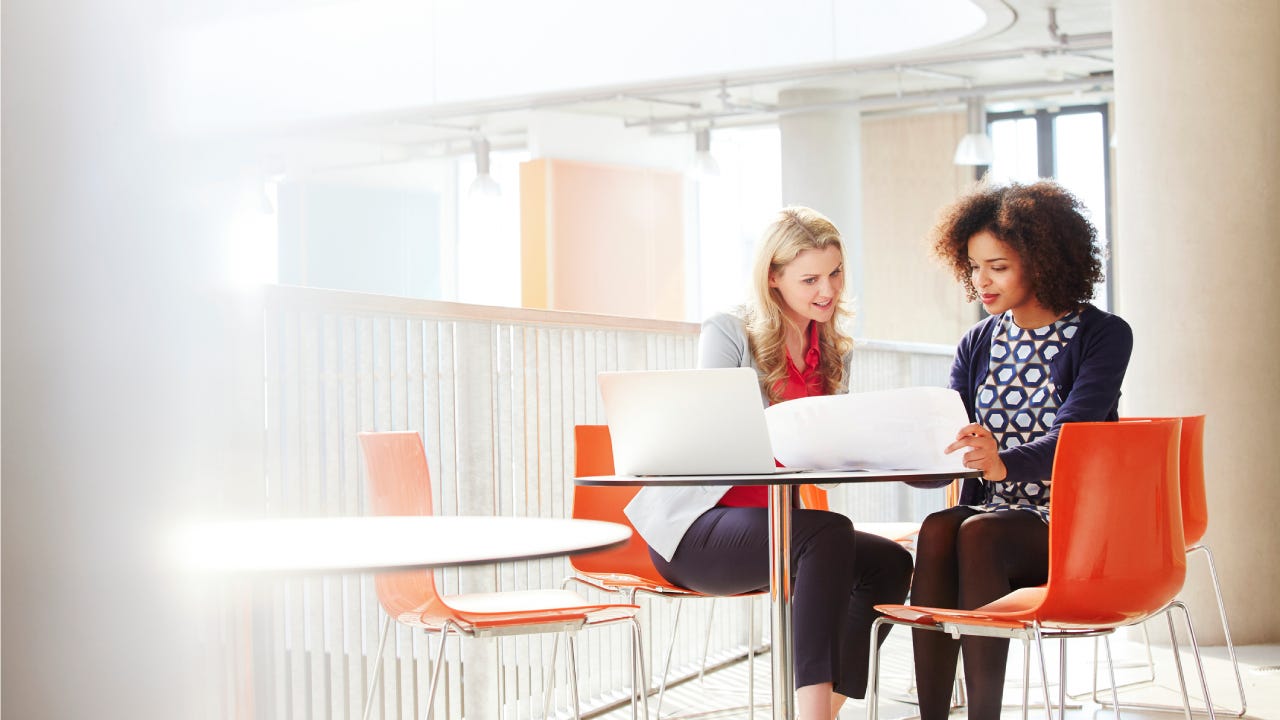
x=687 y=422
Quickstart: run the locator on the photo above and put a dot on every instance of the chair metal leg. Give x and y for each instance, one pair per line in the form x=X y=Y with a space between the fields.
x=435 y=671
x=1044 y=672
x=1062 y=678
x=706 y=639
x=1150 y=665
x=1231 y=651
x=671 y=646
x=1026 y=677
x=639 y=683
x=1226 y=627
x=1177 y=663
x=873 y=672
x=549 y=693
x=751 y=659
x=377 y=667
x=1111 y=669
x=571 y=647
x=1195 y=652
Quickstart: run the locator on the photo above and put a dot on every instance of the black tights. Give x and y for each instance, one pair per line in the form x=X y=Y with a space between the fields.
x=839 y=574
x=966 y=559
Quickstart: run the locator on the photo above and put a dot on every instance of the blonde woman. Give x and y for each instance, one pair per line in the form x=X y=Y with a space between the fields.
x=790 y=334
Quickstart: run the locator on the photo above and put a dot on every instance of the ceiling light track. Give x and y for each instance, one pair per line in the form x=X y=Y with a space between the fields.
x=895 y=101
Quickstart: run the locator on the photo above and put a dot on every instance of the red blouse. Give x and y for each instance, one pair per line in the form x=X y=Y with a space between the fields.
x=800 y=382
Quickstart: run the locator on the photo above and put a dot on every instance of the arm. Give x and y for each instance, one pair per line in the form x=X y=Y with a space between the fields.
x=723 y=343
x=961 y=379
x=1092 y=397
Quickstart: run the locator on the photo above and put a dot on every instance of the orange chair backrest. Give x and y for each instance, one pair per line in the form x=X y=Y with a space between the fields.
x=594 y=456
x=399 y=483
x=1116 y=550
x=1195 y=507
x=813 y=497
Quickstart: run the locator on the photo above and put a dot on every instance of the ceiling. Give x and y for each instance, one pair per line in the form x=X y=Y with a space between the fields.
x=1022 y=54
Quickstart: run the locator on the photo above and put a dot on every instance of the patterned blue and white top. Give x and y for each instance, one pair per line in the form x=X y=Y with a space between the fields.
x=1018 y=402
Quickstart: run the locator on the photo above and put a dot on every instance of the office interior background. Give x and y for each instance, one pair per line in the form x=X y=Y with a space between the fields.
x=165 y=161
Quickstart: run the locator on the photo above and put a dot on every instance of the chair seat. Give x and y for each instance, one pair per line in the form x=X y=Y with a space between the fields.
x=516 y=600
x=514 y=608
x=1012 y=611
x=621 y=581
x=903 y=533
x=625 y=580
x=896 y=531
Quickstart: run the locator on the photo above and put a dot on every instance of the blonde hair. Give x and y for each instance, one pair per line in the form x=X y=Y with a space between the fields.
x=794 y=230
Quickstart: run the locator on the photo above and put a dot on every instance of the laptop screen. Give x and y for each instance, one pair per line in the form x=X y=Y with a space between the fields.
x=686 y=422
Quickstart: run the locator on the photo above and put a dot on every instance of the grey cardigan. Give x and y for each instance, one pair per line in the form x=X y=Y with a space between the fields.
x=663 y=515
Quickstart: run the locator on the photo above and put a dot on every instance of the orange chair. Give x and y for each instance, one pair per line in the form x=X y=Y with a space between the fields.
x=627 y=570
x=1116 y=551
x=400 y=484
x=1195 y=520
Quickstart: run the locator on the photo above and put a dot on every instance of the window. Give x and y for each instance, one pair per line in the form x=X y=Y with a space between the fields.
x=732 y=209
x=485 y=266
x=1068 y=145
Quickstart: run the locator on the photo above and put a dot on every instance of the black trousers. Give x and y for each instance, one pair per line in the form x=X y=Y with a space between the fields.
x=964 y=560
x=838 y=574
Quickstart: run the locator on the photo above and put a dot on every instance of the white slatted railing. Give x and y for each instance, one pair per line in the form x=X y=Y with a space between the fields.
x=495 y=393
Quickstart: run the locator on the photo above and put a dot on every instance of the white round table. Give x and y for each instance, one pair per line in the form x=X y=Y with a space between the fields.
x=358 y=544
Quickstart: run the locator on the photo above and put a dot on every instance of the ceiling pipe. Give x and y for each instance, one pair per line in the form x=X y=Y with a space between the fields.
x=650 y=90
x=1064 y=39
x=881 y=102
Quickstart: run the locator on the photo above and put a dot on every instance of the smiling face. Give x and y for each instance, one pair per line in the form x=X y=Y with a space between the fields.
x=810 y=286
x=997 y=273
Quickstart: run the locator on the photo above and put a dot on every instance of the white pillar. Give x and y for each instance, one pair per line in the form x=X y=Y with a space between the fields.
x=132 y=373
x=1198 y=267
x=822 y=169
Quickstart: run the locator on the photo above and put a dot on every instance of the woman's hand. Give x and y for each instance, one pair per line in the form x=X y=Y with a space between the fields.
x=983 y=454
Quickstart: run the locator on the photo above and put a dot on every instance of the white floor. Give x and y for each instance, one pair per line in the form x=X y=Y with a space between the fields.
x=1260 y=668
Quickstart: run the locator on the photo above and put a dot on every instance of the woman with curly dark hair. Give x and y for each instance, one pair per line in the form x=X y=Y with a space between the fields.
x=1043 y=357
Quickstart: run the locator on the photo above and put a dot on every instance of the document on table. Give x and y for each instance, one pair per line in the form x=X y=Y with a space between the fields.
x=903 y=429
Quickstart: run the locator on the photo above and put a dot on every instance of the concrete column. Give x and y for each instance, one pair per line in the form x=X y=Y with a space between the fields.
x=1198 y=268
x=822 y=169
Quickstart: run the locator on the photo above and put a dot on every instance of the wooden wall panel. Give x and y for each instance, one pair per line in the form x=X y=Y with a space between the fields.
x=908 y=176
x=602 y=239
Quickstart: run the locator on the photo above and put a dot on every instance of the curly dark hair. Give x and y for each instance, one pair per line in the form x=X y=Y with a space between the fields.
x=1040 y=221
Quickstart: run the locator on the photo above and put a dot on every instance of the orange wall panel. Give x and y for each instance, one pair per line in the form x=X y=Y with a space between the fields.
x=602 y=239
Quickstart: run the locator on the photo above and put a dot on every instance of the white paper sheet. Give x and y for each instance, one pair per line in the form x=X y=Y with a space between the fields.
x=903 y=429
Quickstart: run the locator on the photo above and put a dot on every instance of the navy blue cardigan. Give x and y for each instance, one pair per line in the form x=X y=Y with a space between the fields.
x=1087 y=374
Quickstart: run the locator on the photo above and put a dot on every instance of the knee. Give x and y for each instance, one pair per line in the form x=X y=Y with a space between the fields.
x=885 y=564
x=980 y=537
x=833 y=529
x=900 y=567
x=937 y=536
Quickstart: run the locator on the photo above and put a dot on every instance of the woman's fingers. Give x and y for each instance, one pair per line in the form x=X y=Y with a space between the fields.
x=972 y=435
